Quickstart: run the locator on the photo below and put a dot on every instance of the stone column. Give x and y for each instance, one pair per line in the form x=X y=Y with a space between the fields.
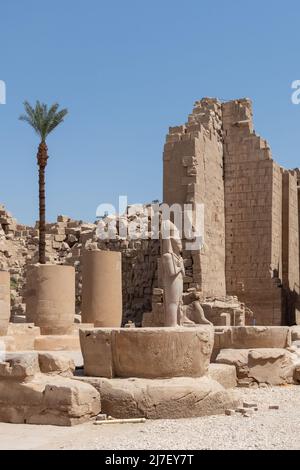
x=4 y=301
x=50 y=298
x=102 y=288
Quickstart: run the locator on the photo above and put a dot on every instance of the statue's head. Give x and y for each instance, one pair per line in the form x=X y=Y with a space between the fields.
x=170 y=238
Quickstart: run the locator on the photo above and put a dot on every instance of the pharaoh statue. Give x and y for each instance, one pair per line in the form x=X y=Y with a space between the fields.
x=172 y=271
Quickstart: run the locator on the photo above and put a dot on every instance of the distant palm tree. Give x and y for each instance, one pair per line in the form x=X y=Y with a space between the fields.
x=43 y=121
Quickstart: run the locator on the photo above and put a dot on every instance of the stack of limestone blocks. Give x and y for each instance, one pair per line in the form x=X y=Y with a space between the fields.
x=261 y=355
x=65 y=241
x=38 y=388
x=156 y=372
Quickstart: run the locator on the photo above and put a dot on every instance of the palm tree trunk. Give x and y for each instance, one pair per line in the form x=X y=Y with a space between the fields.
x=42 y=157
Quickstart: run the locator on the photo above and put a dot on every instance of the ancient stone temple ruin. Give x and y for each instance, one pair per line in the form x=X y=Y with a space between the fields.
x=251 y=224
x=145 y=327
x=251 y=208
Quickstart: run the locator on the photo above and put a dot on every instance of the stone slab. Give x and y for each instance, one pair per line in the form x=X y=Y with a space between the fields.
x=273 y=366
x=57 y=343
x=147 y=352
x=224 y=374
x=56 y=363
x=24 y=335
x=48 y=400
x=180 y=397
x=250 y=337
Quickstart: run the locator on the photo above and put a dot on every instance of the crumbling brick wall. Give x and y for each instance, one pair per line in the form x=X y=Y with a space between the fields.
x=65 y=240
x=290 y=244
x=253 y=215
x=217 y=159
x=193 y=174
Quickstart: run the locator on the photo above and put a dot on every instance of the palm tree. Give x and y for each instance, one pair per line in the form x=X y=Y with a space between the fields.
x=43 y=121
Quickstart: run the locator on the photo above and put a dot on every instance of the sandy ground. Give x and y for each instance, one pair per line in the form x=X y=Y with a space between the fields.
x=266 y=429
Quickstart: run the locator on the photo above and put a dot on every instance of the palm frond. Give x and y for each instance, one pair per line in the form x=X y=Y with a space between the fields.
x=43 y=119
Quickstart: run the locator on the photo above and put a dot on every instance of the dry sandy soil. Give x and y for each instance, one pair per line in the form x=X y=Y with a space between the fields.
x=266 y=429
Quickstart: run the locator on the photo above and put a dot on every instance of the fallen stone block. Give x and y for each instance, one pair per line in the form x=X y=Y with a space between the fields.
x=237 y=358
x=180 y=397
x=295 y=332
x=273 y=407
x=225 y=374
x=51 y=400
x=56 y=363
x=19 y=366
x=273 y=366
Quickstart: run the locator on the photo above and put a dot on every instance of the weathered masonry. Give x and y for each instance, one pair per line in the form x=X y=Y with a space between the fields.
x=251 y=205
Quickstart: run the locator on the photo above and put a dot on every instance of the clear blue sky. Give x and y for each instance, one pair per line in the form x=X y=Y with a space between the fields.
x=127 y=70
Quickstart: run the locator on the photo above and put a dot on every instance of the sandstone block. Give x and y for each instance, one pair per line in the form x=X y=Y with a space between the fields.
x=180 y=397
x=147 y=352
x=272 y=366
x=57 y=343
x=51 y=400
x=295 y=332
x=96 y=346
x=24 y=335
x=19 y=366
x=250 y=337
x=56 y=363
x=224 y=374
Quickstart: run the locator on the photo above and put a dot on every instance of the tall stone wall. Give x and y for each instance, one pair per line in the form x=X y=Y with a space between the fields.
x=193 y=173
x=290 y=244
x=253 y=192
x=251 y=209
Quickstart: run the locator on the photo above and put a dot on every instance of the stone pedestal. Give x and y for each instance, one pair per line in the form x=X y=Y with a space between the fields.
x=50 y=298
x=102 y=288
x=147 y=352
x=4 y=301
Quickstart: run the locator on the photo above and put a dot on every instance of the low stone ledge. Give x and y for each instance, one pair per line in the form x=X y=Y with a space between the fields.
x=180 y=397
x=57 y=343
x=251 y=337
x=24 y=335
